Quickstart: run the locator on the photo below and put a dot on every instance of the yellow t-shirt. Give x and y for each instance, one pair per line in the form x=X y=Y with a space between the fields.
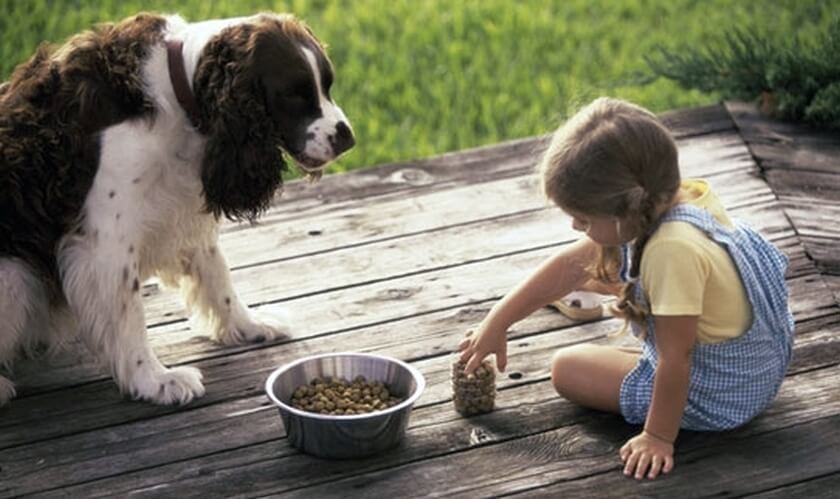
x=684 y=272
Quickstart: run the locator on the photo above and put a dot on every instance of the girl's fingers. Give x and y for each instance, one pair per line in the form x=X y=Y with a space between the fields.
x=465 y=346
x=624 y=452
x=630 y=464
x=644 y=461
x=501 y=359
x=474 y=362
x=655 y=466
x=669 y=464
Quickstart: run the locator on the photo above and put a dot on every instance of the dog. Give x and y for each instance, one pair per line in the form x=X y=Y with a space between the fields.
x=121 y=152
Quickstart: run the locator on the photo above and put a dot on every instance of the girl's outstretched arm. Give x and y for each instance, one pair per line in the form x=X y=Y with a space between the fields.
x=652 y=450
x=556 y=277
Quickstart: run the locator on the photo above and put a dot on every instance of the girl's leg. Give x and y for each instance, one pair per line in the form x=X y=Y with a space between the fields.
x=591 y=375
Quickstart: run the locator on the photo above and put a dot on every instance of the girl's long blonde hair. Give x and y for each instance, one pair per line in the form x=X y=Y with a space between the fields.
x=616 y=159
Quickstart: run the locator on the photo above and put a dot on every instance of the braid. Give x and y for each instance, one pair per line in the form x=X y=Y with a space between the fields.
x=607 y=264
x=627 y=306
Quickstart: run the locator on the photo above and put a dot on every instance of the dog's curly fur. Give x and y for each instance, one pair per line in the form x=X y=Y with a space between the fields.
x=105 y=180
x=49 y=113
x=240 y=129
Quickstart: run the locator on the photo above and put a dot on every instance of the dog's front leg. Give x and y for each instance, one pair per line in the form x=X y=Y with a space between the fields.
x=103 y=290
x=208 y=291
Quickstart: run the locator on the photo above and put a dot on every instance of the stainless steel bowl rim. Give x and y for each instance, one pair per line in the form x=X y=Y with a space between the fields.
x=415 y=374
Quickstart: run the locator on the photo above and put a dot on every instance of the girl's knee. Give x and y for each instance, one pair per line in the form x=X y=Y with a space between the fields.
x=558 y=365
x=591 y=375
x=566 y=367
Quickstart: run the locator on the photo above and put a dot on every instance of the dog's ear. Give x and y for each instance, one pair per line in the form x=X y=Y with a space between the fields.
x=240 y=172
x=243 y=164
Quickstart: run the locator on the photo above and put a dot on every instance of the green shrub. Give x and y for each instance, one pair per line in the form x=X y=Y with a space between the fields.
x=794 y=78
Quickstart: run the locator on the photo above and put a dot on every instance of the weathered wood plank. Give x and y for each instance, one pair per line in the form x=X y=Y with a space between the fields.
x=824 y=487
x=194 y=424
x=833 y=283
x=802 y=165
x=567 y=454
x=814 y=219
x=377 y=259
x=799 y=184
x=824 y=252
x=448 y=288
x=97 y=405
x=417 y=255
x=288 y=231
x=795 y=453
x=785 y=145
x=818 y=224
x=435 y=431
x=356 y=307
x=420 y=241
x=765 y=217
x=432 y=335
x=497 y=454
x=697 y=120
x=468 y=166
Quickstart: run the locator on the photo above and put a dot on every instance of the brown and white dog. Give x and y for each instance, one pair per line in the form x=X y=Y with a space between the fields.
x=121 y=151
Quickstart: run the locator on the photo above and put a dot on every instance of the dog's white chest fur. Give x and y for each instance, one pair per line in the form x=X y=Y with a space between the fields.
x=145 y=216
x=147 y=193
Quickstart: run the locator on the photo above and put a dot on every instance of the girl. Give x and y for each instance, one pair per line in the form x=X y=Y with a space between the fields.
x=706 y=296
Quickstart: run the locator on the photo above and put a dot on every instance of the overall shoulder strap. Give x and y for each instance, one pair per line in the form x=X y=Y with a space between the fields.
x=697 y=217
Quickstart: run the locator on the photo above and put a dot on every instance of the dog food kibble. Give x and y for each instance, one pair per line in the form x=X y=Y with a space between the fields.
x=474 y=393
x=339 y=397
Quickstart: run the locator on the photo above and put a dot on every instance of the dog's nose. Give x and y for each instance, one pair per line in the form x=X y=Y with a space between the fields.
x=343 y=139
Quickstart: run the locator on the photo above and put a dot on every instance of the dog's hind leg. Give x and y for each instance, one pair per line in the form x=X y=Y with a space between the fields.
x=22 y=305
x=102 y=286
x=208 y=291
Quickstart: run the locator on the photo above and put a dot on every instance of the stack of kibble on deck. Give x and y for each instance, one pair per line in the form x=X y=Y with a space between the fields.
x=473 y=393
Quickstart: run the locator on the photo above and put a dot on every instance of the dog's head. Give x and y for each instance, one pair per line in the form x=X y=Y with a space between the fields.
x=262 y=86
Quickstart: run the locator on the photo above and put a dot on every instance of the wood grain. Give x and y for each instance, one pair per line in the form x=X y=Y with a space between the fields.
x=401 y=259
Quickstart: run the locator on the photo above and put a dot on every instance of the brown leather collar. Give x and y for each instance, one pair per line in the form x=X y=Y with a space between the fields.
x=178 y=77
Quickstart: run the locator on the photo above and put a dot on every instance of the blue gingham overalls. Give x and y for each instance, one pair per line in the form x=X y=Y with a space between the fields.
x=732 y=381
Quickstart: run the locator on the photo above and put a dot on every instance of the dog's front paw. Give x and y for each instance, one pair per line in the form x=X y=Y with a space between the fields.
x=261 y=325
x=7 y=390
x=178 y=385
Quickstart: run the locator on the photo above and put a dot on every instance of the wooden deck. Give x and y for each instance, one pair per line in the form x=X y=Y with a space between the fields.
x=399 y=260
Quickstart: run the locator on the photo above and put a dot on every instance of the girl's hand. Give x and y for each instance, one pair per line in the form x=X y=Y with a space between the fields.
x=480 y=343
x=646 y=453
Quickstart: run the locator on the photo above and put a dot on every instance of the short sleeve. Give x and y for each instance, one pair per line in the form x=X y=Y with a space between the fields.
x=674 y=273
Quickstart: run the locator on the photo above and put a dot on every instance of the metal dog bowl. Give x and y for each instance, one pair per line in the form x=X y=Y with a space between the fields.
x=346 y=436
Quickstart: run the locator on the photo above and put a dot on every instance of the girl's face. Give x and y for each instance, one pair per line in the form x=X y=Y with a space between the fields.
x=604 y=230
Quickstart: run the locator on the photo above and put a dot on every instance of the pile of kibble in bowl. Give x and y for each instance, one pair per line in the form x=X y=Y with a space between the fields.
x=339 y=397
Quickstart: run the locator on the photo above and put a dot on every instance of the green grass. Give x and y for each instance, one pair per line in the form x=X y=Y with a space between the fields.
x=422 y=77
